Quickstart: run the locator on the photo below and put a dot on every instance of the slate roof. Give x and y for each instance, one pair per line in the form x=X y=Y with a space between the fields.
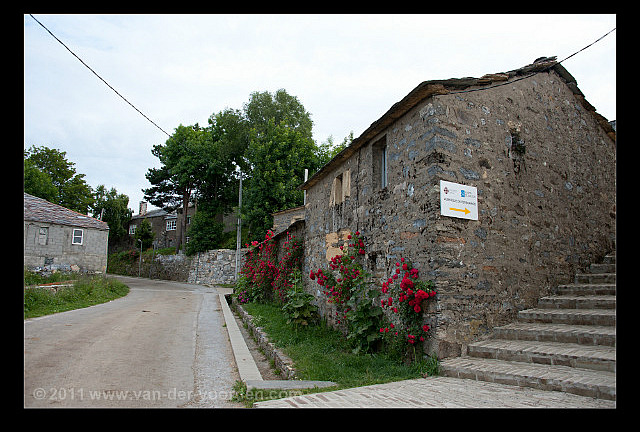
x=436 y=87
x=40 y=210
x=152 y=213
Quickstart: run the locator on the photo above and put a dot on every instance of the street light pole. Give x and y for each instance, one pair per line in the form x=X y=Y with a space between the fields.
x=239 y=228
x=140 y=260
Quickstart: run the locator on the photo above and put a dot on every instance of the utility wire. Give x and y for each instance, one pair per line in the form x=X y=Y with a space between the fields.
x=101 y=79
x=534 y=73
x=592 y=43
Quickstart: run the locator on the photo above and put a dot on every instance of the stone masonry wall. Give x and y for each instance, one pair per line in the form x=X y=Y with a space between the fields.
x=55 y=251
x=545 y=175
x=216 y=266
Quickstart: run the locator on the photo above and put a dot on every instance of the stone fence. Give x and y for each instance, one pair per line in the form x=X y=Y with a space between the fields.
x=216 y=266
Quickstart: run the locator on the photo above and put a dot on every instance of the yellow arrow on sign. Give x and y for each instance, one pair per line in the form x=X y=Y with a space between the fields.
x=465 y=211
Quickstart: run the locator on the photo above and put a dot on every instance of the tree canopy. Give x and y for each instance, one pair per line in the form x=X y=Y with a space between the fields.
x=49 y=175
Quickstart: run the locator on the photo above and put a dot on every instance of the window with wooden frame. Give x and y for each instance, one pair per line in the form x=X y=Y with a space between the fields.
x=77 y=237
x=340 y=188
x=379 y=156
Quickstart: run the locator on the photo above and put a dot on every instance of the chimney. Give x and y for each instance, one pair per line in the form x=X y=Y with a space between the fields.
x=143 y=208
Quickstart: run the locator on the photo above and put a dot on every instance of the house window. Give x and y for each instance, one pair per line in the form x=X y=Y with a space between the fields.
x=336 y=191
x=171 y=225
x=340 y=188
x=77 y=236
x=132 y=229
x=379 y=151
x=43 y=235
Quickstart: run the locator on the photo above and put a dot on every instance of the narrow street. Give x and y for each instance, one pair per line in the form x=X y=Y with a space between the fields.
x=163 y=345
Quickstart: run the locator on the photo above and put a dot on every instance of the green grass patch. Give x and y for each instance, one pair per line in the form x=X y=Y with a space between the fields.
x=322 y=353
x=86 y=291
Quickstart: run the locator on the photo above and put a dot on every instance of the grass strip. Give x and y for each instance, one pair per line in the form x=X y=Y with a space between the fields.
x=322 y=353
x=86 y=291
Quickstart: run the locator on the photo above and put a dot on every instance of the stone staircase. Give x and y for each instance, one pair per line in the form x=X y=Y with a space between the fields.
x=567 y=343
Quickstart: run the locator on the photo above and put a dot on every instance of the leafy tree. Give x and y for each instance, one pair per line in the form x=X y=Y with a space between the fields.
x=38 y=183
x=204 y=233
x=278 y=158
x=144 y=233
x=72 y=191
x=328 y=150
x=230 y=130
x=281 y=107
x=183 y=158
x=112 y=208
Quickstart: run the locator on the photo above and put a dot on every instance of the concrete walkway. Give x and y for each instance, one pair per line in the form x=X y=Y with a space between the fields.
x=431 y=392
x=438 y=392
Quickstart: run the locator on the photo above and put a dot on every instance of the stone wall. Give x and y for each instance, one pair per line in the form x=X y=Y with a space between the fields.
x=216 y=266
x=48 y=246
x=544 y=169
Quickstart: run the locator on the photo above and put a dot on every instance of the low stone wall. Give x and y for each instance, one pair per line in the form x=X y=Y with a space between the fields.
x=281 y=361
x=216 y=266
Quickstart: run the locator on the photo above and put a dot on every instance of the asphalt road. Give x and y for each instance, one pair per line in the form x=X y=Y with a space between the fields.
x=163 y=345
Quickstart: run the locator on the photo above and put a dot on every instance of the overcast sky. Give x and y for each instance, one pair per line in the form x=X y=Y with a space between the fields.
x=347 y=70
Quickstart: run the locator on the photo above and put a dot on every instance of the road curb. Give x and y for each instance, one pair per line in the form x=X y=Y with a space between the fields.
x=247 y=367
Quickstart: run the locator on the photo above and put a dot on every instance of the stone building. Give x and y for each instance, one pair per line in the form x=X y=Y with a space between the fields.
x=542 y=161
x=284 y=219
x=59 y=238
x=165 y=226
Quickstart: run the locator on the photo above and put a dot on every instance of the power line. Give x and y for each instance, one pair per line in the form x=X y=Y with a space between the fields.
x=534 y=73
x=101 y=79
x=592 y=43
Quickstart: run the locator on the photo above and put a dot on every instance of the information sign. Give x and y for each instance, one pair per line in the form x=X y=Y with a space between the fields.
x=458 y=200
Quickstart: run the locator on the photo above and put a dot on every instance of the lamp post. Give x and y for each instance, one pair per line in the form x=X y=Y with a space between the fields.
x=140 y=260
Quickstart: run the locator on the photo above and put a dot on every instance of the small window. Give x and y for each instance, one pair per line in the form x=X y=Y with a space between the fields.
x=77 y=237
x=379 y=153
x=132 y=229
x=336 y=191
x=43 y=235
x=171 y=225
x=340 y=188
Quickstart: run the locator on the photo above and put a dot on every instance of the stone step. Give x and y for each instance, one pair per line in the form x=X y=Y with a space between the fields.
x=583 y=382
x=609 y=259
x=600 y=317
x=595 y=278
x=602 y=268
x=600 y=358
x=586 y=289
x=548 y=332
x=578 y=302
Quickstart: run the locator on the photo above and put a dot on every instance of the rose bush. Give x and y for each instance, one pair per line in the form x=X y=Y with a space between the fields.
x=265 y=278
x=347 y=285
x=405 y=302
